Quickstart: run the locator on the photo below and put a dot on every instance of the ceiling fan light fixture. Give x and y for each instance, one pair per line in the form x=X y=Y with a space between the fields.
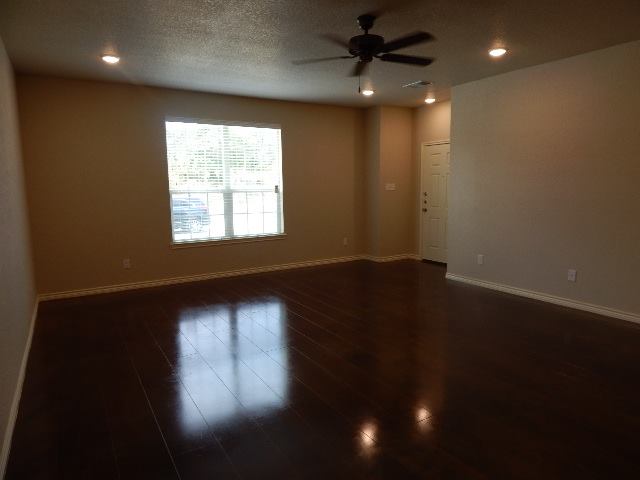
x=367 y=92
x=497 y=52
x=110 y=59
x=431 y=94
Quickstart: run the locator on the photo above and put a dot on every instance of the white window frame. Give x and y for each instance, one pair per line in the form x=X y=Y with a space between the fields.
x=227 y=191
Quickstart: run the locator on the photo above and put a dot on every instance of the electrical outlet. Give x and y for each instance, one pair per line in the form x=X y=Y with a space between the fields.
x=480 y=259
x=126 y=263
x=572 y=275
x=345 y=241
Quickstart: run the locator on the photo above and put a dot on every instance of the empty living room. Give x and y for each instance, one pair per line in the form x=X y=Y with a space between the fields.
x=319 y=239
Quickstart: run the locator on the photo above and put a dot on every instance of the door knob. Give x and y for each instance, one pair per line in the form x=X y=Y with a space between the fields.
x=424 y=209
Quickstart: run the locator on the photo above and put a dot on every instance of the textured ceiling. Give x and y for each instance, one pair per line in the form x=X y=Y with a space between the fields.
x=246 y=47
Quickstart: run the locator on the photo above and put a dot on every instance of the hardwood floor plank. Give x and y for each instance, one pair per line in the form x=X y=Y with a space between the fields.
x=355 y=370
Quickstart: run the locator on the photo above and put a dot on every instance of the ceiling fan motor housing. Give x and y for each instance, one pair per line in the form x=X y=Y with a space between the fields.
x=366 y=46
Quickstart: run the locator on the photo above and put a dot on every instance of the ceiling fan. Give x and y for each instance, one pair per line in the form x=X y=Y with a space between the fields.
x=368 y=46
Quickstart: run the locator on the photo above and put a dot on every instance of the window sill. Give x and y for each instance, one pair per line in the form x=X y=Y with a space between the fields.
x=227 y=241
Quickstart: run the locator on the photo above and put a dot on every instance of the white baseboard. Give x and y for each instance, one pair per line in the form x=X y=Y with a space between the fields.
x=13 y=413
x=208 y=276
x=545 y=297
x=193 y=278
x=392 y=258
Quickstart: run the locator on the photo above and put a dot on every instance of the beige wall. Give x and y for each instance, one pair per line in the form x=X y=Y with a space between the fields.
x=431 y=123
x=96 y=176
x=546 y=177
x=372 y=181
x=17 y=296
x=397 y=218
x=390 y=217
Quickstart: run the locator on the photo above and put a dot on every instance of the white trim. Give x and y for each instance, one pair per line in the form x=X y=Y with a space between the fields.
x=436 y=142
x=208 y=276
x=228 y=123
x=192 y=278
x=227 y=241
x=391 y=258
x=545 y=297
x=17 y=394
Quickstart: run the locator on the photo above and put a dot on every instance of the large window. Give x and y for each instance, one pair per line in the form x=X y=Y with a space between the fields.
x=225 y=181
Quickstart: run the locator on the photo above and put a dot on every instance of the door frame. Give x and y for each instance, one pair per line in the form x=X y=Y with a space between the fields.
x=420 y=216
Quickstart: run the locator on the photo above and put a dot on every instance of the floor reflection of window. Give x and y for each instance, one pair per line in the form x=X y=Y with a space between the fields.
x=231 y=341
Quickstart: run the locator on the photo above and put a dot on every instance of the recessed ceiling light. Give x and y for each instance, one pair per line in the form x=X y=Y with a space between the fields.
x=110 y=59
x=497 y=52
x=367 y=92
x=430 y=100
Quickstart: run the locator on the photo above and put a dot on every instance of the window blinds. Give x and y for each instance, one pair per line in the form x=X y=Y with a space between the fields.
x=225 y=181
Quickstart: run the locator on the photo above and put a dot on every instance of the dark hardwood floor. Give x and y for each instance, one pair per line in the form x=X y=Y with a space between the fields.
x=355 y=370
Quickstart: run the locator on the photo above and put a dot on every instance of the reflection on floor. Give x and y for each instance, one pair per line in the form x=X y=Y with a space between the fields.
x=228 y=337
x=355 y=370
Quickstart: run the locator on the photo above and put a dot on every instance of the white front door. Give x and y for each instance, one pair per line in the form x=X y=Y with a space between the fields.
x=434 y=184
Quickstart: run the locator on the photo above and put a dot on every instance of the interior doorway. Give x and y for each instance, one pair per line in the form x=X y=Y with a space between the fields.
x=434 y=186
